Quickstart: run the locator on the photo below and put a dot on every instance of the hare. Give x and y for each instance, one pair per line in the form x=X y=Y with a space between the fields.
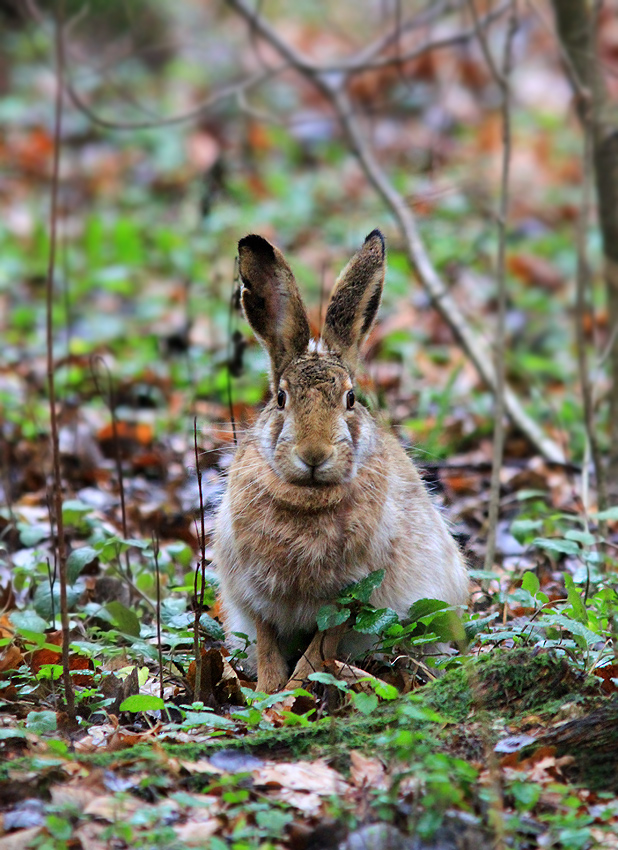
x=318 y=494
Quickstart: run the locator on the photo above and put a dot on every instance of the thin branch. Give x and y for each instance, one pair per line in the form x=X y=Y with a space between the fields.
x=502 y=77
x=360 y=63
x=417 y=254
x=55 y=448
x=227 y=92
x=582 y=309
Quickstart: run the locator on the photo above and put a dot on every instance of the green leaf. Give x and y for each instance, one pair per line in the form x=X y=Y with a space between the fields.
x=212 y=628
x=30 y=535
x=28 y=621
x=73 y=511
x=78 y=559
x=578 y=609
x=180 y=552
x=521 y=528
x=362 y=590
x=5 y=734
x=42 y=600
x=610 y=515
x=365 y=703
x=142 y=702
x=207 y=718
x=123 y=618
x=375 y=622
x=530 y=582
x=41 y=721
x=587 y=637
x=424 y=607
x=557 y=545
x=483 y=575
x=474 y=627
x=328 y=679
x=583 y=537
x=384 y=690
x=331 y=615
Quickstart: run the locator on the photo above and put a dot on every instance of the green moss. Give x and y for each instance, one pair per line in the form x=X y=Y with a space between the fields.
x=511 y=682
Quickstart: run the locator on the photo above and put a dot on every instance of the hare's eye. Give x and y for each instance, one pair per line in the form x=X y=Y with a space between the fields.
x=350 y=399
x=281 y=399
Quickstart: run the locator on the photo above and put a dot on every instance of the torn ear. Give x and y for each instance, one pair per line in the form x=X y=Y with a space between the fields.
x=355 y=300
x=271 y=302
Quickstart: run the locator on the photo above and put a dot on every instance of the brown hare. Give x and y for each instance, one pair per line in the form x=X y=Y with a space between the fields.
x=318 y=494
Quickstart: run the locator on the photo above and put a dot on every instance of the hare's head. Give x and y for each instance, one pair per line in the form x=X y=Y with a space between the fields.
x=313 y=432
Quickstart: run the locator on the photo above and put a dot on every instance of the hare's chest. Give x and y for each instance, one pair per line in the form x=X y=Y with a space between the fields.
x=312 y=560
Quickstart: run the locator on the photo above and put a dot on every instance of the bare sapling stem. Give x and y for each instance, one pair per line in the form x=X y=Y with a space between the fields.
x=200 y=574
x=110 y=398
x=55 y=449
x=502 y=79
x=583 y=309
x=155 y=554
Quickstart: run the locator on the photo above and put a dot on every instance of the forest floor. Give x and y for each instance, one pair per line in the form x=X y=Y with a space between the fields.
x=512 y=741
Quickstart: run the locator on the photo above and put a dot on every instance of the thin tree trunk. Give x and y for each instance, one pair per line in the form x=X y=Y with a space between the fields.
x=575 y=20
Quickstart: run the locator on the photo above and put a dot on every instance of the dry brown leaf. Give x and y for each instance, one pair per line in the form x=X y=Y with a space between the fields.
x=366 y=772
x=89 y=836
x=20 y=840
x=307 y=802
x=112 y=808
x=353 y=676
x=195 y=833
x=314 y=776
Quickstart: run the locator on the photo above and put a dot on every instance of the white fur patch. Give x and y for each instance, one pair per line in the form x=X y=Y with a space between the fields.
x=317 y=346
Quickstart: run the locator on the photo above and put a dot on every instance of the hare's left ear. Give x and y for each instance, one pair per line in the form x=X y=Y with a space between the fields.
x=355 y=300
x=272 y=302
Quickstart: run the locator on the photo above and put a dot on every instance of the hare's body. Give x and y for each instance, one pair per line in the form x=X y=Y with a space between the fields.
x=318 y=496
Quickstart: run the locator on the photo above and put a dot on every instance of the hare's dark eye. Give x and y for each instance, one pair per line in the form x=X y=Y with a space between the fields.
x=281 y=399
x=350 y=399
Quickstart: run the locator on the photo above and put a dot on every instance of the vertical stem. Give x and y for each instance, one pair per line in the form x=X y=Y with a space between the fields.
x=582 y=309
x=503 y=80
x=57 y=480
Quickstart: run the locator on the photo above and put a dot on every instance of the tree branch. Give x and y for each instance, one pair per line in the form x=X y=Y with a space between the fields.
x=475 y=349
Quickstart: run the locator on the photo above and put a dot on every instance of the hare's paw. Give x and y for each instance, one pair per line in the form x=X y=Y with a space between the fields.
x=272 y=674
x=271 y=665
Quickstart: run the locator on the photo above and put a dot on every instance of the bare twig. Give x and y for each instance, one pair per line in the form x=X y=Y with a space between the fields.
x=155 y=554
x=417 y=254
x=502 y=78
x=583 y=309
x=200 y=576
x=57 y=479
x=227 y=92
x=111 y=403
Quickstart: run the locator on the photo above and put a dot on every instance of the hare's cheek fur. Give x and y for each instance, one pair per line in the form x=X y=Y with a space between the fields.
x=303 y=455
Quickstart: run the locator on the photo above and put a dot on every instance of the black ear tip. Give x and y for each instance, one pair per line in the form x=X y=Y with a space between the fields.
x=256 y=244
x=376 y=234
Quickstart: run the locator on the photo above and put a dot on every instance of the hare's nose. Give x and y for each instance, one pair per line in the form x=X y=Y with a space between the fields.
x=313 y=456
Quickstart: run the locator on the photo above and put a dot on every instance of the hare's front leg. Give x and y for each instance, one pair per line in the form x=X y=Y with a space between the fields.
x=271 y=666
x=324 y=645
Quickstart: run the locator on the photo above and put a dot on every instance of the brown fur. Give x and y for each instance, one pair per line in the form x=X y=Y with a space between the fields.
x=318 y=496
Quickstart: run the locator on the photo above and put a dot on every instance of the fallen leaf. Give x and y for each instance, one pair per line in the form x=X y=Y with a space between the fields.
x=301 y=776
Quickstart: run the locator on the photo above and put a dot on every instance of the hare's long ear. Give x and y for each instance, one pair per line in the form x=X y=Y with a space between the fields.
x=272 y=302
x=355 y=300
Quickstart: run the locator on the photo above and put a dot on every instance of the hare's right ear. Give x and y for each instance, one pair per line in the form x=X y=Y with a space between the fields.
x=355 y=300
x=272 y=302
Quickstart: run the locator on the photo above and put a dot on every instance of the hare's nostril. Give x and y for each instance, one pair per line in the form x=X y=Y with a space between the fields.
x=314 y=456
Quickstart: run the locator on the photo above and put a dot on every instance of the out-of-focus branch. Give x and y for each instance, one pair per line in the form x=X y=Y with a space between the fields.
x=576 y=25
x=474 y=348
x=238 y=89
x=53 y=416
x=502 y=77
